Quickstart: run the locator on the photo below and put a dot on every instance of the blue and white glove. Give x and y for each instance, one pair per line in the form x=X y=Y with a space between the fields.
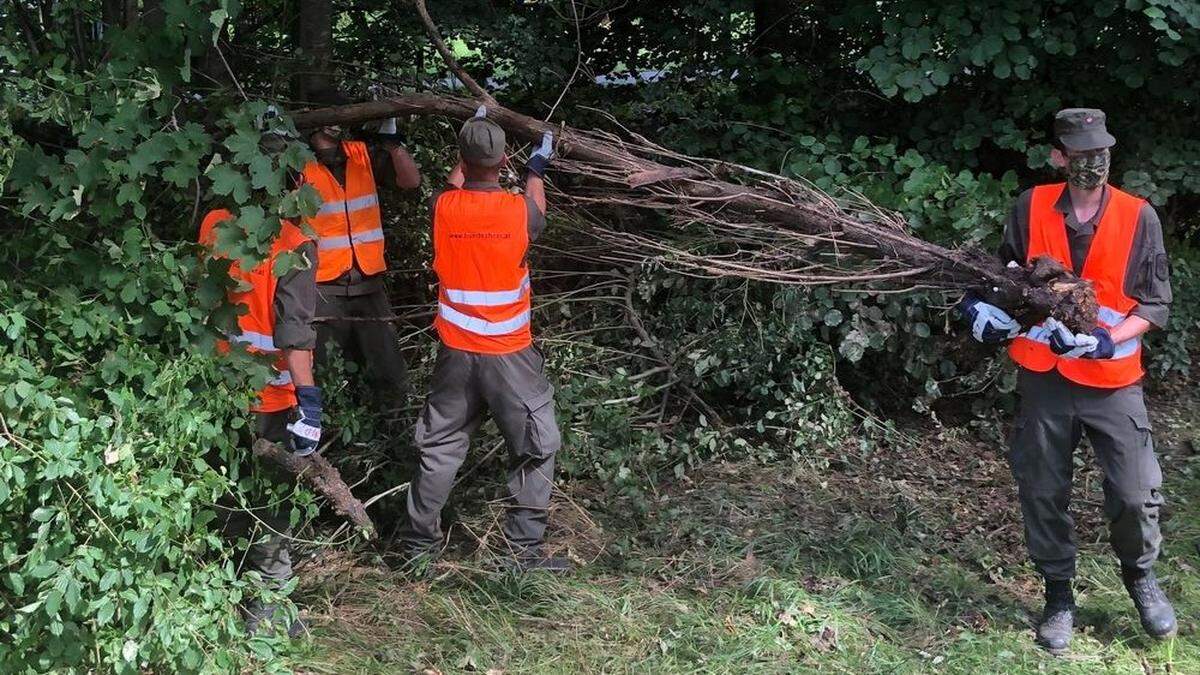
x=539 y=161
x=1095 y=345
x=306 y=431
x=989 y=324
x=481 y=112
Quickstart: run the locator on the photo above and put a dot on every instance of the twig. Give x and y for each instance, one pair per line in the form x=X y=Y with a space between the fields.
x=578 y=64
x=230 y=71
x=322 y=476
x=651 y=344
x=448 y=56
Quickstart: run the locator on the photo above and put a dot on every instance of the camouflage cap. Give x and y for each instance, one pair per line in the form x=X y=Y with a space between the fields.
x=481 y=142
x=1081 y=129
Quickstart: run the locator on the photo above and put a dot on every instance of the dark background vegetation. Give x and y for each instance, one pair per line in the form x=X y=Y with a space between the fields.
x=122 y=121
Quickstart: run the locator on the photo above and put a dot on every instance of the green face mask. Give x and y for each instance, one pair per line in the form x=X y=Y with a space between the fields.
x=1088 y=171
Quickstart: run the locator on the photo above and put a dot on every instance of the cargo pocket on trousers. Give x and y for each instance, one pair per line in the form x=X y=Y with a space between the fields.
x=1148 y=470
x=542 y=438
x=1026 y=459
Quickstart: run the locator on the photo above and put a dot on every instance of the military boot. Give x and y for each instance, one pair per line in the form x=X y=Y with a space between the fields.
x=1156 y=612
x=533 y=560
x=259 y=615
x=1057 y=624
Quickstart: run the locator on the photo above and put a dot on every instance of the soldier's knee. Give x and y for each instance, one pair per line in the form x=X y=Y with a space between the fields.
x=1121 y=504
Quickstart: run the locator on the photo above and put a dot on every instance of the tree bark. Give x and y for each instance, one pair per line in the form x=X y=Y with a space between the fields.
x=322 y=477
x=314 y=42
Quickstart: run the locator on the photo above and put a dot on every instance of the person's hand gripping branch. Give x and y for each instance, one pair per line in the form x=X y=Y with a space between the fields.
x=1095 y=345
x=306 y=431
x=989 y=324
x=539 y=161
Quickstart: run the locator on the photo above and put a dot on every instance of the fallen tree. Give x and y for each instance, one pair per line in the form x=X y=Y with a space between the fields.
x=741 y=221
x=763 y=226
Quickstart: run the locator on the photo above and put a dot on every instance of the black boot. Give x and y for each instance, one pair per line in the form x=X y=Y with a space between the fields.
x=419 y=561
x=259 y=615
x=533 y=560
x=1057 y=624
x=1156 y=612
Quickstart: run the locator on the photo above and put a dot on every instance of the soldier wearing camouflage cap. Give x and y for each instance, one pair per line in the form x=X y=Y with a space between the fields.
x=1074 y=384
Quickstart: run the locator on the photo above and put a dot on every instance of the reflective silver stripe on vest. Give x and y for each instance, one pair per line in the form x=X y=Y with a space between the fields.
x=478 y=326
x=282 y=379
x=368 y=236
x=488 y=298
x=1110 y=317
x=330 y=243
x=348 y=205
x=259 y=341
x=1127 y=348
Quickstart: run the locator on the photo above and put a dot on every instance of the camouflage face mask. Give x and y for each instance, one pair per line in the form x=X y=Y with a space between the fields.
x=1090 y=170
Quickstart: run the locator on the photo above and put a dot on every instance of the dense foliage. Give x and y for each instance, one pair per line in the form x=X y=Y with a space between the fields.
x=123 y=122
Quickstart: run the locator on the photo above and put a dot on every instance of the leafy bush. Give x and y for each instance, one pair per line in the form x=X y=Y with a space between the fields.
x=112 y=454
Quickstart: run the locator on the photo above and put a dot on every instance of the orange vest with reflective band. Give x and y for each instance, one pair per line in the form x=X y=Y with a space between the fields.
x=479 y=244
x=348 y=224
x=257 y=325
x=1105 y=266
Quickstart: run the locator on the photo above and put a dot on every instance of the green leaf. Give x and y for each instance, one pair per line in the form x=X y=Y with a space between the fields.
x=228 y=181
x=263 y=175
x=53 y=602
x=180 y=174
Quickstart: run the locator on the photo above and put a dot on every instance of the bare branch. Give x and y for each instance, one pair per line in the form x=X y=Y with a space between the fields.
x=448 y=56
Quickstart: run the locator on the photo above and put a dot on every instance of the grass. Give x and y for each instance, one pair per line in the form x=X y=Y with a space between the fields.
x=752 y=569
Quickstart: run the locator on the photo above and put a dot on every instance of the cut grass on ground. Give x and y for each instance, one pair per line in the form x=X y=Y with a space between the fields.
x=745 y=568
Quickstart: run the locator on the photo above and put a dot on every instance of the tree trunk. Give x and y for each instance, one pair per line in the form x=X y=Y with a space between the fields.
x=314 y=42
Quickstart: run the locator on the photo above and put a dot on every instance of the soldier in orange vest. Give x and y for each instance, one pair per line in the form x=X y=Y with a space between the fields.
x=1075 y=384
x=278 y=321
x=351 y=247
x=487 y=361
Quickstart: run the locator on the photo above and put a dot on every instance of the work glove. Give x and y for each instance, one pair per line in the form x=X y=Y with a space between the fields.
x=388 y=133
x=306 y=431
x=272 y=138
x=1095 y=345
x=539 y=161
x=989 y=324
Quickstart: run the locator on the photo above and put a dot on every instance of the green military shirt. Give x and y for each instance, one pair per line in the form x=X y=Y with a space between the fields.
x=1147 y=279
x=295 y=303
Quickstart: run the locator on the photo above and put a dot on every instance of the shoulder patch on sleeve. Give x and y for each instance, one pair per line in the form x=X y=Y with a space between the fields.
x=1162 y=266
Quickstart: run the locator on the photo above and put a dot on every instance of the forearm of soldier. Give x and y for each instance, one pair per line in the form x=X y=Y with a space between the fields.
x=408 y=175
x=535 y=187
x=300 y=365
x=1132 y=327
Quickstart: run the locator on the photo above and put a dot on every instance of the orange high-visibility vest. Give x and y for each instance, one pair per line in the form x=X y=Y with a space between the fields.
x=257 y=325
x=1105 y=267
x=348 y=224
x=479 y=244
